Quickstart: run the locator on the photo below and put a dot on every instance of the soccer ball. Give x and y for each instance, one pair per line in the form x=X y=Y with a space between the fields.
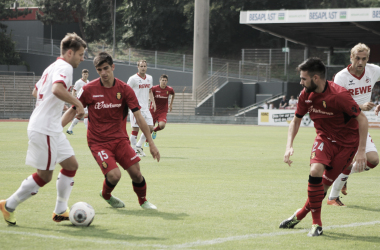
x=82 y=214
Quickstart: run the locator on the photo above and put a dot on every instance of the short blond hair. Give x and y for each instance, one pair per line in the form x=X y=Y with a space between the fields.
x=72 y=41
x=360 y=47
x=141 y=61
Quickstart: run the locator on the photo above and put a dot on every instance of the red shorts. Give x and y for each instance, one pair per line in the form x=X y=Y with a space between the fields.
x=158 y=117
x=335 y=158
x=106 y=155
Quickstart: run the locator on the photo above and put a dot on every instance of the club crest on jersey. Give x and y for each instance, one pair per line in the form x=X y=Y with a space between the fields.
x=367 y=80
x=104 y=164
x=118 y=95
x=324 y=104
x=167 y=92
x=312 y=155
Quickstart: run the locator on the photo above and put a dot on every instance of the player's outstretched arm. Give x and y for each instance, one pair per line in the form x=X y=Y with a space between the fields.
x=377 y=109
x=151 y=97
x=68 y=116
x=61 y=92
x=34 y=92
x=145 y=129
x=361 y=158
x=367 y=106
x=292 y=132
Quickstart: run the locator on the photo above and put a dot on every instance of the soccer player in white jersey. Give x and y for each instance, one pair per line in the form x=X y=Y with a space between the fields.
x=77 y=87
x=142 y=84
x=358 y=78
x=48 y=144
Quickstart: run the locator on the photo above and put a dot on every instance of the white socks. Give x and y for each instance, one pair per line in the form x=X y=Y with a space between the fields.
x=337 y=186
x=133 y=141
x=75 y=122
x=27 y=189
x=64 y=187
x=141 y=141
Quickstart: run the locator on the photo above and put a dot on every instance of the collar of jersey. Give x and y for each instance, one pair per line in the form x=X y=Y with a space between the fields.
x=114 y=81
x=360 y=77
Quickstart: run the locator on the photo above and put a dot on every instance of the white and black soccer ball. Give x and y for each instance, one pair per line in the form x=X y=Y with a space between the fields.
x=82 y=214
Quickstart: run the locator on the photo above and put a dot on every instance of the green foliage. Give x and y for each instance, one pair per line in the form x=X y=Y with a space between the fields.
x=99 y=21
x=8 y=54
x=57 y=11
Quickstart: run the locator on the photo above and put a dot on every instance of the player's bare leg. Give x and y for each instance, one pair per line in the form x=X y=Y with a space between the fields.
x=109 y=184
x=139 y=186
x=65 y=183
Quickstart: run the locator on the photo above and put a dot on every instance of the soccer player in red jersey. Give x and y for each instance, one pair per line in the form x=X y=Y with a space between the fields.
x=341 y=132
x=161 y=95
x=108 y=99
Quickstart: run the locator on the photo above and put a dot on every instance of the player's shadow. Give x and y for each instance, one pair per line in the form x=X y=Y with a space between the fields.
x=339 y=236
x=362 y=208
x=154 y=213
x=93 y=231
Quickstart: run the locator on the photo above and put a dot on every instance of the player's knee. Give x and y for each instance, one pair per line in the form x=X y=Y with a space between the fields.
x=373 y=162
x=137 y=177
x=113 y=177
x=162 y=126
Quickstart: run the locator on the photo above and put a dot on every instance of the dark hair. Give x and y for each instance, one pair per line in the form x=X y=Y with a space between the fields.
x=84 y=71
x=103 y=57
x=164 y=76
x=72 y=41
x=313 y=66
x=141 y=61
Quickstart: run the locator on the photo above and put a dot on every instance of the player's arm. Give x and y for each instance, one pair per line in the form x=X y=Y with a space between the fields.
x=74 y=92
x=68 y=116
x=361 y=158
x=61 y=92
x=171 y=102
x=145 y=129
x=151 y=97
x=34 y=92
x=367 y=106
x=292 y=132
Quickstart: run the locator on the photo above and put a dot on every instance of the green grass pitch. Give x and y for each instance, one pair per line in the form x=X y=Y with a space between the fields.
x=216 y=187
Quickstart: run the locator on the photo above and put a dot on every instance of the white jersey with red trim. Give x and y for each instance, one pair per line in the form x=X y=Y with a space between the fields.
x=141 y=86
x=79 y=85
x=46 y=117
x=361 y=87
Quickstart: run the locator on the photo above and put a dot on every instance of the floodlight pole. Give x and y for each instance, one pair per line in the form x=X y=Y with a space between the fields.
x=114 y=31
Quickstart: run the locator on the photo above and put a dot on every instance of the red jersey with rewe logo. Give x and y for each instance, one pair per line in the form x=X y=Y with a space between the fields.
x=161 y=98
x=333 y=112
x=107 y=110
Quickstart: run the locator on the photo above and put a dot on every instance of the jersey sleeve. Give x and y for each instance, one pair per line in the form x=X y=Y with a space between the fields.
x=131 y=99
x=84 y=96
x=151 y=83
x=76 y=86
x=63 y=75
x=377 y=72
x=171 y=91
x=302 y=108
x=341 y=80
x=347 y=104
x=131 y=82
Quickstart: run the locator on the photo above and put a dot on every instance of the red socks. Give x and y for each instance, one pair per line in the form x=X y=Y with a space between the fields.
x=140 y=190
x=157 y=129
x=107 y=189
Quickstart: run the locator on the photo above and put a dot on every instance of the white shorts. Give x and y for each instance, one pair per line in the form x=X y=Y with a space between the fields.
x=147 y=116
x=45 y=151
x=370 y=146
x=86 y=110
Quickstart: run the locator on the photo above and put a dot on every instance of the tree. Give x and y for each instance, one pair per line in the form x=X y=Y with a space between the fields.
x=56 y=11
x=8 y=54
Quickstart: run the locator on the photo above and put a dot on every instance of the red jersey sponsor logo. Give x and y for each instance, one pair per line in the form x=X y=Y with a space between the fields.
x=102 y=105
x=312 y=109
x=144 y=86
x=361 y=90
x=64 y=77
x=160 y=96
x=308 y=101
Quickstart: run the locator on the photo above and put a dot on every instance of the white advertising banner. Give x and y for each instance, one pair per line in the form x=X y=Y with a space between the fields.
x=282 y=117
x=310 y=16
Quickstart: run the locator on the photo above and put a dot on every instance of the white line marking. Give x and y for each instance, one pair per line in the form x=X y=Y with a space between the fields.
x=189 y=244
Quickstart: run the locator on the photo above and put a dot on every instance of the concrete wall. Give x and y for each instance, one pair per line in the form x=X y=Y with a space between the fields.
x=19 y=68
x=229 y=95
x=38 y=63
x=25 y=28
x=249 y=91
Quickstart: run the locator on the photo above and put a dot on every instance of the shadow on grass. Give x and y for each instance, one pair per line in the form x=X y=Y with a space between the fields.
x=362 y=208
x=154 y=213
x=339 y=236
x=92 y=231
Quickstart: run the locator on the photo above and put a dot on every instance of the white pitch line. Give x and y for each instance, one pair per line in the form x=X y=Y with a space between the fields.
x=189 y=244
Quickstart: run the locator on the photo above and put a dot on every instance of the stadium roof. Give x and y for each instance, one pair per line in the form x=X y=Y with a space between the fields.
x=338 y=28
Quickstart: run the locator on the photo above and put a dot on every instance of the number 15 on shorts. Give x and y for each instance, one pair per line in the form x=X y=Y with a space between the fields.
x=102 y=155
